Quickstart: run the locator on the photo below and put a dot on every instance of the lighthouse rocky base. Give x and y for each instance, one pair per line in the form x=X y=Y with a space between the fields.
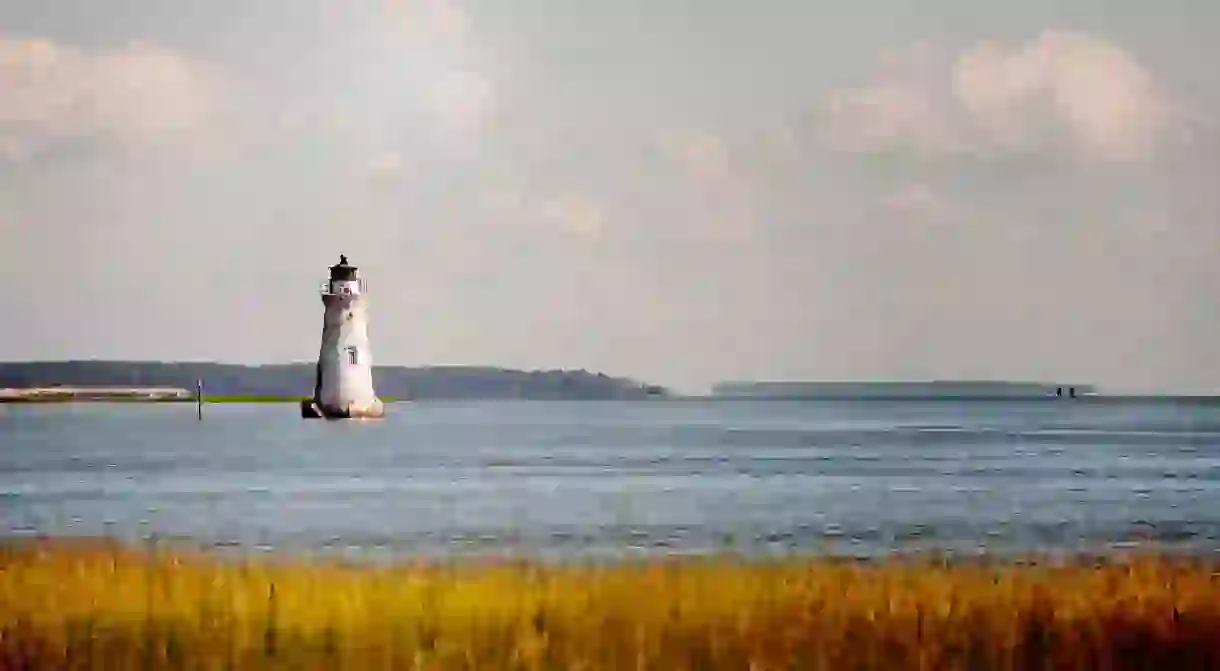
x=310 y=409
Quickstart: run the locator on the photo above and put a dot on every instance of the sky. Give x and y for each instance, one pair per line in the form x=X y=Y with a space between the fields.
x=681 y=192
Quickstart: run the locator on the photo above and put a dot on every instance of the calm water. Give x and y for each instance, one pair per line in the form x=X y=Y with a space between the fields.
x=565 y=479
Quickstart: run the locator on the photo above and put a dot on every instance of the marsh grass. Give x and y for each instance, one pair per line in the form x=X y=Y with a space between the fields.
x=65 y=605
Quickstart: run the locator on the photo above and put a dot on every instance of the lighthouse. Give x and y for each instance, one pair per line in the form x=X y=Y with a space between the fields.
x=344 y=384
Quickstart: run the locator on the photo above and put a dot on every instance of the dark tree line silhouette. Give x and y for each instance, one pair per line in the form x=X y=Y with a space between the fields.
x=297 y=379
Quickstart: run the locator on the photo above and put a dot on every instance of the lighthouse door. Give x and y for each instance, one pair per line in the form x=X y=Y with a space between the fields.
x=353 y=356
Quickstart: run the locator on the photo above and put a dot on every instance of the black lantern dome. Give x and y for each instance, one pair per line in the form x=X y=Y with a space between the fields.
x=342 y=271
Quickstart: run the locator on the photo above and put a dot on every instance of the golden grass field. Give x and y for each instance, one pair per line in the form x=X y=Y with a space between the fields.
x=65 y=605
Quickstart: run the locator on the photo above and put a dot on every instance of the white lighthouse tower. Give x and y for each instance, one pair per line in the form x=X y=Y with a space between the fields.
x=344 y=384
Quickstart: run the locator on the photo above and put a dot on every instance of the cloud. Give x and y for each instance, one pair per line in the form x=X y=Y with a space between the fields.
x=573 y=214
x=704 y=156
x=142 y=93
x=718 y=198
x=438 y=21
x=386 y=168
x=993 y=99
x=918 y=203
x=576 y=214
x=1104 y=98
x=12 y=149
x=904 y=106
x=462 y=102
x=503 y=201
x=446 y=69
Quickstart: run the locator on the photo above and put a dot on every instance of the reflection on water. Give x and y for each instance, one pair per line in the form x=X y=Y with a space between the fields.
x=581 y=478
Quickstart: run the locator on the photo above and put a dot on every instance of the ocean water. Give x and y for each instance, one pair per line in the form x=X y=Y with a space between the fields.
x=579 y=479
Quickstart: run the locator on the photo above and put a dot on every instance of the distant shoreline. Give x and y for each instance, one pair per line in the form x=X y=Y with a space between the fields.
x=175 y=382
x=291 y=382
x=134 y=395
x=79 y=394
x=65 y=395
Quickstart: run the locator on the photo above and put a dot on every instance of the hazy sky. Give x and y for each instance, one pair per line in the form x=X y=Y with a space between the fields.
x=674 y=190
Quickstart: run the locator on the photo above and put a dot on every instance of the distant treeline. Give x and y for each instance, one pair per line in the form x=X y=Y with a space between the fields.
x=943 y=389
x=297 y=379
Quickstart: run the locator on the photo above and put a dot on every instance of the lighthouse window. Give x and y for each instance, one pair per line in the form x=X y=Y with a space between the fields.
x=352 y=356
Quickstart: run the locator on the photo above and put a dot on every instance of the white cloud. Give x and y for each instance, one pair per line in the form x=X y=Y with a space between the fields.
x=576 y=214
x=503 y=201
x=447 y=70
x=142 y=93
x=441 y=21
x=704 y=156
x=462 y=103
x=386 y=166
x=905 y=105
x=918 y=203
x=992 y=99
x=719 y=200
x=1100 y=94
x=12 y=149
